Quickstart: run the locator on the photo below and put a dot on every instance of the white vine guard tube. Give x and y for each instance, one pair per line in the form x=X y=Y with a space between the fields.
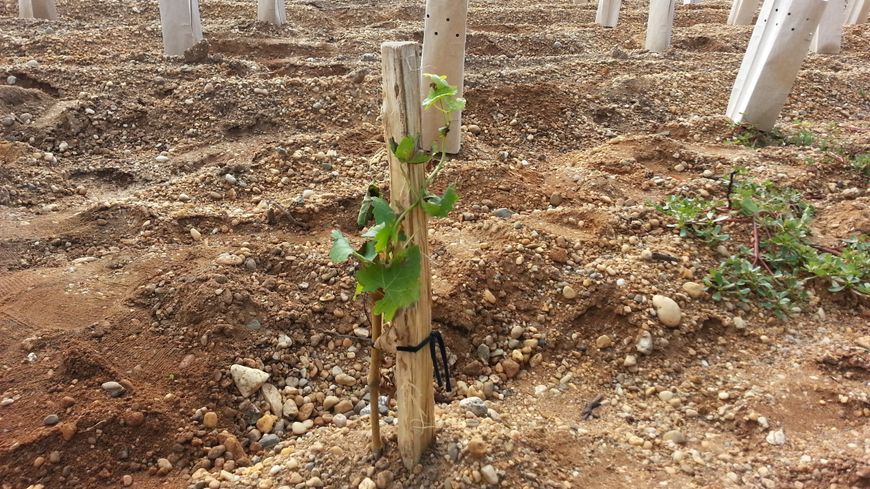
x=742 y=12
x=659 y=25
x=443 y=54
x=607 y=14
x=770 y=66
x=857 y=12
x=37 y=9
x=829 y=34
x=182 y=28
x=271 y=11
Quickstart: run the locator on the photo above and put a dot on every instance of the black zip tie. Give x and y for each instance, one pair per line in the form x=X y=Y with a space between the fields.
x=436 y=336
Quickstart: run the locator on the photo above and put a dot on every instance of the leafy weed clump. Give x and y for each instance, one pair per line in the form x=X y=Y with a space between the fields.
x=777 y=260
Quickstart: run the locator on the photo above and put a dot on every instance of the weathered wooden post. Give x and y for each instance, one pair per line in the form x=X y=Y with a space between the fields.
x=857 y=12
x=742 y=12
x=659 y=25
x=776 y=50
x=181 y=26
x=401 y=113
x=37 y=9
x=443 y=54
x=607 y=14
x=271 y=11
x=829 y=34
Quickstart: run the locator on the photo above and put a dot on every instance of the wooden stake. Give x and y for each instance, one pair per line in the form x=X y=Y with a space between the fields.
x=37 y=9
x=375 y=379
x=770 y=66
x=742 y=12
x=181 y=26
x=271 y=11
x=660 y=25
x=857 y=12
x=444 y=54
x=608 y=12
x=401 y=113
x=829 y=34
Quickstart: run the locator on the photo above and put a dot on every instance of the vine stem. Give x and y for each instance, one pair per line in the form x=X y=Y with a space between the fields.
x=375 y=378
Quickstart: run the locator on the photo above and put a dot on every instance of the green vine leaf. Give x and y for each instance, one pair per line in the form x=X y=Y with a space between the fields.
x=406 y=151
x=443 y=92
x=365 y=210
x=341 y=247
x=436 y=206
x=399 y=281
x=383 y=212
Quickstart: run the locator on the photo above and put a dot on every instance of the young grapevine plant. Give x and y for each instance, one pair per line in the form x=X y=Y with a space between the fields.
x=389 y=265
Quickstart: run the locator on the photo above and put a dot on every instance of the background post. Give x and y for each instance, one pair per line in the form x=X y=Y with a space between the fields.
x=770 y=66
x=444 y=54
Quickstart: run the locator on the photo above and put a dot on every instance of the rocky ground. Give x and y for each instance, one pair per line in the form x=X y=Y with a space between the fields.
x=171 y=318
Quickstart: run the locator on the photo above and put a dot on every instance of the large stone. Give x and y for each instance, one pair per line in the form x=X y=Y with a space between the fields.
x=273 y=397
x=667 y=310
x=248 y=380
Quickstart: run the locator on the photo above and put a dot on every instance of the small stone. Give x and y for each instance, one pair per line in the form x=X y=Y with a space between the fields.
x=384 y=479
x=475 y=405
x=694 y=289
x=723 y=395
x=568 y=292
x=603 y=342
x=503 y=213
x=273 y=397
x=127 y=480
x=164 y=466
x=51 y=420
x=776 y=437
x=739 y=322
x=266 y=423
x=483 y=353
x=195 y=234
x=210 y=419
x=556 y=199
x=644 y=343
x=472 y=128
x=630 y=361
x=666 y=395
x=477 y=448
x=298 y=428
x=344 y=406
x=269 y=440
x=329 y=402
x=667 y=310
x=339 y=420
x=675 y=436
x=314 y=482
x=367 y=484
x=161 y=158
x=489 y=296
x=863 y=342
x=511 y=368
x=517 y=332
x=345 y=380
x=113 y=388
x=67 y=430
x=489 y=474
x=248 y=380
